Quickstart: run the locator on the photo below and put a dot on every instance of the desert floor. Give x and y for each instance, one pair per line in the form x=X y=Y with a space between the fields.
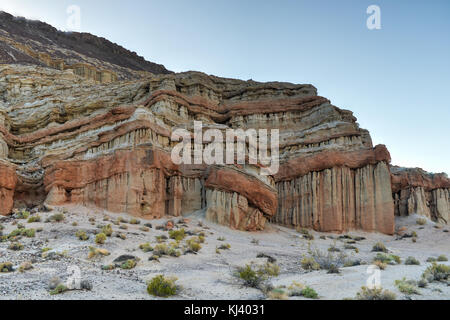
x=208 y=274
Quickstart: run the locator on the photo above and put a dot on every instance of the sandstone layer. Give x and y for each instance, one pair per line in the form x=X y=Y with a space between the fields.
x=417 y=191
x=104 y=140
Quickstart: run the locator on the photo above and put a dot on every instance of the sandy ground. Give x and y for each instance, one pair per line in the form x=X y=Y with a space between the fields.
x=207 y=275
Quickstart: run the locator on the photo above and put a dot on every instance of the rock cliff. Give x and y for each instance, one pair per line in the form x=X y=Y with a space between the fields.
x=105 y=140
x=417 y=191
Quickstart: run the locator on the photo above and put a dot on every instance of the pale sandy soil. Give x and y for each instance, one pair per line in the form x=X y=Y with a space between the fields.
x=207 y=275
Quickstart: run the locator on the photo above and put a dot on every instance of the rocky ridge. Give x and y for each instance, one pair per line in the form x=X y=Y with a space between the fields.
x=68 y=138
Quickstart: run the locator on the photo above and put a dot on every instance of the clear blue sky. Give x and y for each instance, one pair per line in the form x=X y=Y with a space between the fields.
x=396 y=80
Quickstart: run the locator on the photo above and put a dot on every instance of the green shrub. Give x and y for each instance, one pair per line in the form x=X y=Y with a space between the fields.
x=309 y=293
x=406 y=286
x=442 y=258
x=375 y=294
x=25 y=266
x=34 y=219
x=144 y=228
x=161 y=249
x=250 y=277
x=412 y=261
x=107 y=230
x=224 y=247
x=193 y=245
x=436 y=272
x=277 y=294
x=134 y=221
x=6 y=267
x=431 y=259
x=100 y=238
x=160 y=286
x=82 y=236
x=308 y=263
x=173 y=252
x=254 y=276
x=60 y=288
x=57 y=217
x=221 y=239
x=24 y=214
x=129 y=264
x=95 y=252
x=387 y=258
x=15 y=246
x=421 y=221
x=379 y=247
x=177 y=235
x=146 y=247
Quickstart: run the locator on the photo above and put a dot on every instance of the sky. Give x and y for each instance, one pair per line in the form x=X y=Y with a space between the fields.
x=395 y=79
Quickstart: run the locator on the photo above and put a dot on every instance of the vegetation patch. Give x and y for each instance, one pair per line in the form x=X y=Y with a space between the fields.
x=161 y=286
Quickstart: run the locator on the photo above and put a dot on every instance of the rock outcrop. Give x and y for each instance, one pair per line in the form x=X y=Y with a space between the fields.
x=36 y=43
x=417 y=191
x=75 y=138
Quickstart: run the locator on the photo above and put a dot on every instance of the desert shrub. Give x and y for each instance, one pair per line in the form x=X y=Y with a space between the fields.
x=250 y=277
x=379 y=247
x=144 y=228
x=406 y=286
x=108 y=267
x=442 y=258
x=107 y=230
x=161 y=239
x=309 y=293
x=25 y=266
x=333 y=248
x=308 y=263
x=329 y=260
x=6 y=267
x=431 y=259
x=100 y=238
x=57 y=217
x=15 y=246
x=421 y=221
x=34 y=219
x=161 y=286
x=74 y=224
x=255 y=241
x=255 y=276
x=60 y=288
x=123 y=227
x=122 y=236
x=422 y=283
x=295 y=289
x=146 y=247
x=226 y=246
x=129 y=264
x=24 y=214
x=387 y=258
x=193 y=245
x=436 y=272
x=161 y=249
x=412 y=261
x=134 y=221
x=380 y=265
x=95 y=252
x=91 y=219
x=375 y=294
x=221 y=239
x=277 y=294
x=81 y=235
x=173 y=252
x=177 y=235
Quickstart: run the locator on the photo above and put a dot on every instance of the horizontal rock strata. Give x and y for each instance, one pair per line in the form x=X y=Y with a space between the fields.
x=420 y=192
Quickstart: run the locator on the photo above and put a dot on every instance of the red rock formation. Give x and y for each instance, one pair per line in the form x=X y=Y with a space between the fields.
x=8 y=181
x=417 y=191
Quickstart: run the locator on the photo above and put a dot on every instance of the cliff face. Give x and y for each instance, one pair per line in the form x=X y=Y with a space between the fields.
x=70 y=138
x=36 y=43
x=417 y=191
